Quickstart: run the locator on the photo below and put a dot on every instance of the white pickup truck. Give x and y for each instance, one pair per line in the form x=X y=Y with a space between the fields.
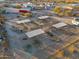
x=76 y=21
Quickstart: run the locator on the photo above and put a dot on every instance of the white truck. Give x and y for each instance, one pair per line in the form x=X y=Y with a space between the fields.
x=76 y=21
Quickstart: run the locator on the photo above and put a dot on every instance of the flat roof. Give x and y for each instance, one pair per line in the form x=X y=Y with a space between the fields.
x=34 y=33
x=74 y=4
x=76 y=12
x=9 y=23
x=23 y=21
x=43 y=17
x=58 y=25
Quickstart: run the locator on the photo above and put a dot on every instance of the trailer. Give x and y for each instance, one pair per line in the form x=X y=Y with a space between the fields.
x=12 y=10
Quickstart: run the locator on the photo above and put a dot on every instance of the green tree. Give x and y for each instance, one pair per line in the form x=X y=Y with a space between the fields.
x=28 y=48
x=37 y=43
x=57 y=9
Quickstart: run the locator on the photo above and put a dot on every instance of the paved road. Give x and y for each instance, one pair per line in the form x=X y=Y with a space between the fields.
x=7 y=54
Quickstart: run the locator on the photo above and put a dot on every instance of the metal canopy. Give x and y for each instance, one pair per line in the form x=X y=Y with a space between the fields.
x=34 y=33
x=58 y=25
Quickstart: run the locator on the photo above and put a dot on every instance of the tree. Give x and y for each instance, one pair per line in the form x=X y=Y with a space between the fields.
x=60 y=54
x=37 y=43
x=67 y=12
x=57 y=9
x=28 y=48
x=71 y=49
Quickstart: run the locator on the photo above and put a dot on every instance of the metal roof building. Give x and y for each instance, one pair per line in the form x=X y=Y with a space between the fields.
x=34 y=33
x=23 y=21
x=58 y=25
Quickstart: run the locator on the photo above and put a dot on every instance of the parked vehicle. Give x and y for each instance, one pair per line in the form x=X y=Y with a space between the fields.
x=1 y=38
x=76 y=21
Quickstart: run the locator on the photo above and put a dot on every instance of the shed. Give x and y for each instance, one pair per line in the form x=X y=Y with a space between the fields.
x=58 y=25
x=34 y=33
x=23 y=21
